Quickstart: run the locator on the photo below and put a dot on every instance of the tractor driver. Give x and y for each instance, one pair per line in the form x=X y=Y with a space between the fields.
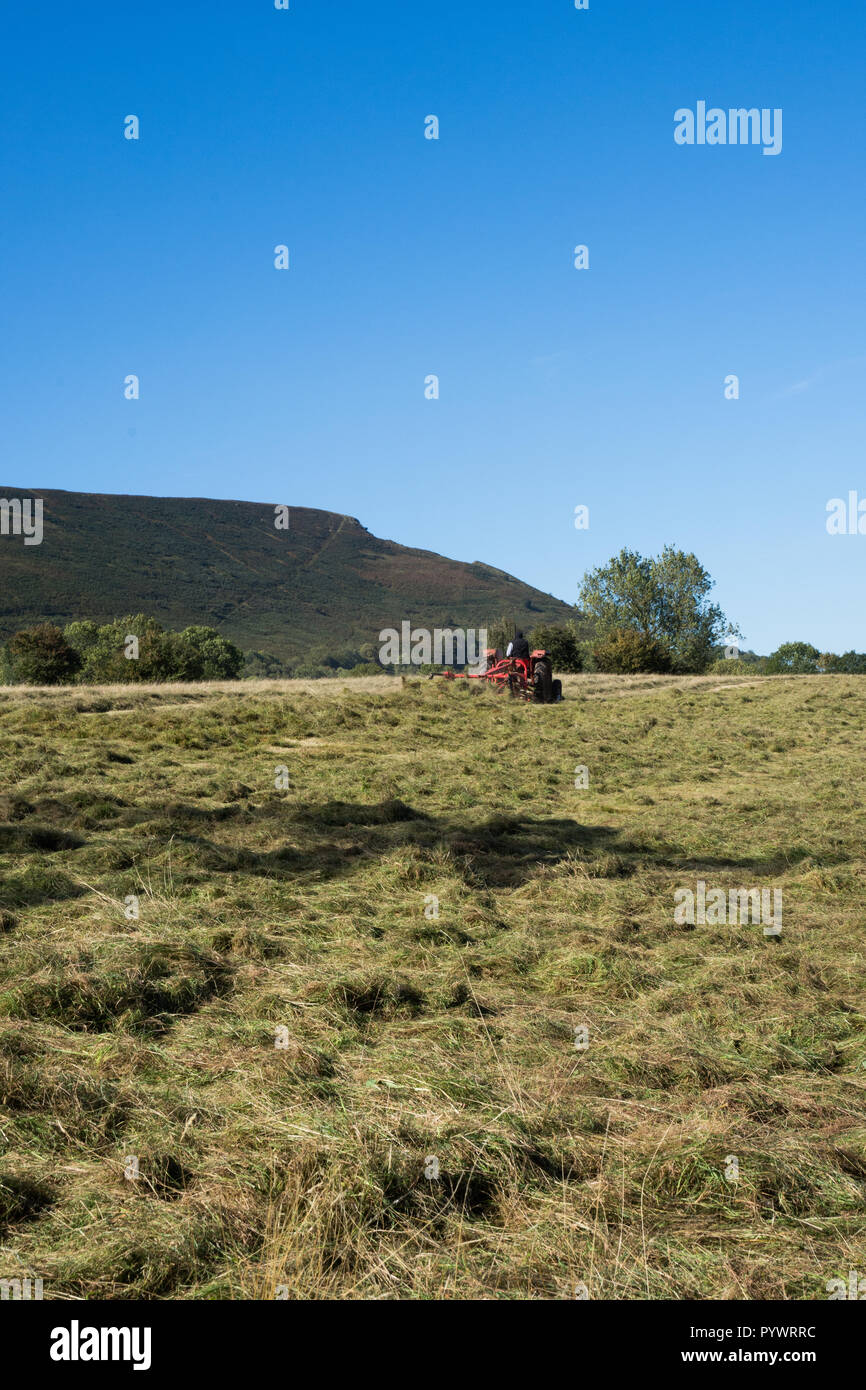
x=518 y=648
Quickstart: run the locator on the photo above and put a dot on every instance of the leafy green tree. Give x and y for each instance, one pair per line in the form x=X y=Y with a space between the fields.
x=42 y=656
x=105 y=658
x=563 y=643
x=83 y=635
x=625 y=652
x=202 y=654
x=663 y=599
x=849 y=663
x=197 y=653
x=794 y=659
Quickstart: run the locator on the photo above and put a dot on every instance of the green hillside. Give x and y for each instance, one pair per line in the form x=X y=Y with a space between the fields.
x=323 y=585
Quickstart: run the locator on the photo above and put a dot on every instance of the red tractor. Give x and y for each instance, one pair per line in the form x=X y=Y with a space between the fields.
x=530 y=679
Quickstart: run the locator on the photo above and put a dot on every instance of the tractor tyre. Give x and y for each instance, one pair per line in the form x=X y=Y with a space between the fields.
x=542 y=680
x=557 y=692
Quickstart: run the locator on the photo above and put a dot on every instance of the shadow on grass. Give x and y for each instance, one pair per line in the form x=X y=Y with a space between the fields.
x=336 y=839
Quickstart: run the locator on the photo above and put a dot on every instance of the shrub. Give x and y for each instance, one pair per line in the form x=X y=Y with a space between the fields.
x=794 y=659
x=626 y=652
x=42 y=656
x=196 y=654
x=561 y=640
x=103 y=651
x=207 y=656
x=737 y=666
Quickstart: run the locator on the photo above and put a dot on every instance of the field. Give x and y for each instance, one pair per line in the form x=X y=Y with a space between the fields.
x=287 y=1076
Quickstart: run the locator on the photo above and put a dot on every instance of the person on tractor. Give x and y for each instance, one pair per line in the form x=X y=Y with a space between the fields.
x=518 y=650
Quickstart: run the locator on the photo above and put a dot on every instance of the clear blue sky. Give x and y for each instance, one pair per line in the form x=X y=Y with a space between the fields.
x=411 y=257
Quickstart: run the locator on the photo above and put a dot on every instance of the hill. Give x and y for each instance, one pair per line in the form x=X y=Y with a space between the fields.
x=324 y=584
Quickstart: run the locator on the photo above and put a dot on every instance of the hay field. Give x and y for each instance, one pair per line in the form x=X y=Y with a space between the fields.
x=291 y=973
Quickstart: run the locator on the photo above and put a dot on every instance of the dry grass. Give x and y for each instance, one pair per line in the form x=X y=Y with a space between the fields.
x=299 y=1171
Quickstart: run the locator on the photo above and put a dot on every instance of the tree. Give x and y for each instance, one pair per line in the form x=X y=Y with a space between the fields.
x=42 y=656
x=663 y=599
x=108 y=656
x=105 y=659
x=625 y=652
x=202 y=654
x=563 y=643
x=849 y=663
x=83 y=635
x=794 y=659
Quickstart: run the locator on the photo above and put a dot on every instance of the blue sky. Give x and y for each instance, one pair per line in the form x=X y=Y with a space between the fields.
x=409 y=257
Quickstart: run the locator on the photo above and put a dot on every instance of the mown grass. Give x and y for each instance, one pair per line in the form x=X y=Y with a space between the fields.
x=298 y=914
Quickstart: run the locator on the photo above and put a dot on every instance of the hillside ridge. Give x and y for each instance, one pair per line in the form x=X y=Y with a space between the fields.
x=327 y=583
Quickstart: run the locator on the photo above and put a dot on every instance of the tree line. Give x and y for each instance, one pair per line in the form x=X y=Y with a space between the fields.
x=132 y=649
x=634 y=614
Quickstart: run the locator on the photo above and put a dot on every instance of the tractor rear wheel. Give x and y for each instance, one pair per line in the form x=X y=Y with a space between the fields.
x=556 y=694
x=542 y=680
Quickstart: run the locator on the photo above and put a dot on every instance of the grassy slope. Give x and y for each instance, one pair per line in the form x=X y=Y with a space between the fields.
x=324 y=585
x=410 y=1037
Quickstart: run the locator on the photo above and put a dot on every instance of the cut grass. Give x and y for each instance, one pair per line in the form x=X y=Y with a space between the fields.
x=324 y=988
